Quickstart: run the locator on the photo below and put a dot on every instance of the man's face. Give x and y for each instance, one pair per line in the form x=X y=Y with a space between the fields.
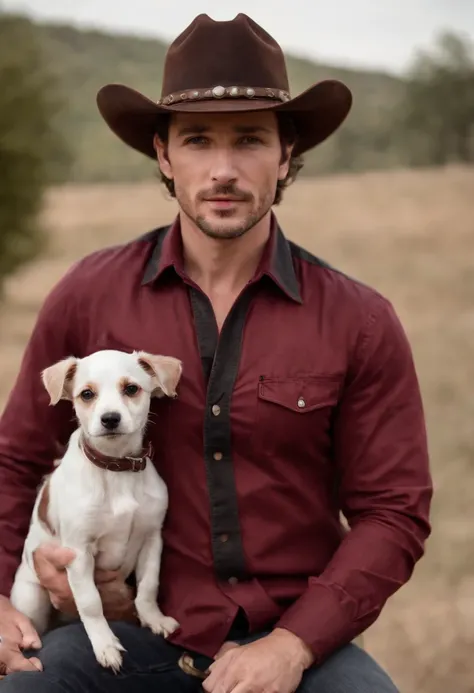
x=225 y=168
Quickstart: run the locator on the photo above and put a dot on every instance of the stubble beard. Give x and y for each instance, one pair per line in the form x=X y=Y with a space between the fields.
x=225 y=232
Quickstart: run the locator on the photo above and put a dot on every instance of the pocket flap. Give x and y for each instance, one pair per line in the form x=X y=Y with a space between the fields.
x=303 y=394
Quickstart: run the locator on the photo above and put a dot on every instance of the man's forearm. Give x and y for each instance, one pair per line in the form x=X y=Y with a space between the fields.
x=19 y=482
x=31 y=432
x=374 y=560
x=17 y=497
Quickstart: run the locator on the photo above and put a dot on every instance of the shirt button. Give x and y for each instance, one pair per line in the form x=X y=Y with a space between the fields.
x=216 y=410
x=301 y=403
x=224 y=538
x=232 y=581
x=217 y=455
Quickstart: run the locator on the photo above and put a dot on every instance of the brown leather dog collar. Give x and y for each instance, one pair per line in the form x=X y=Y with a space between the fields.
x=115 y=464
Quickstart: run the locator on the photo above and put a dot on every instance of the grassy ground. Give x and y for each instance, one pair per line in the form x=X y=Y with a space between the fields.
x=409 y=234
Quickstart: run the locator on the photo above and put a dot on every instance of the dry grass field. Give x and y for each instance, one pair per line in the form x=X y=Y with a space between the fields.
x=411 y=235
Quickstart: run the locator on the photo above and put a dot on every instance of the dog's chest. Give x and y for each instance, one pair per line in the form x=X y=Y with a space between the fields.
x=118 y=514
x=127 y=515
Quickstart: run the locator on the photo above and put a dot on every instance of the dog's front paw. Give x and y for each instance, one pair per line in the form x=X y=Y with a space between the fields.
x=157 y=622
x=108 y=652
x=165 y=625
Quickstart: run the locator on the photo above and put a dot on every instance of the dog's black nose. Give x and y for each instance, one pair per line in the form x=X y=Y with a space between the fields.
x=110 y=420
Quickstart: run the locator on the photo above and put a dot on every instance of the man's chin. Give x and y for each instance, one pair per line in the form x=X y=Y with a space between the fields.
x=225 y=229
x=224 y=233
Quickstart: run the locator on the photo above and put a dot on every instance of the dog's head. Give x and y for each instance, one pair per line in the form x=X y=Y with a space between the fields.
x=111 y=390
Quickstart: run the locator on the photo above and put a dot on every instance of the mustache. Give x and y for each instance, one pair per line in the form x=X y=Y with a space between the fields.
x=228 y=189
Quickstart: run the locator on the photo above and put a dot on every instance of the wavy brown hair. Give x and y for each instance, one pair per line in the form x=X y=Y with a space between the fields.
x=287 y=134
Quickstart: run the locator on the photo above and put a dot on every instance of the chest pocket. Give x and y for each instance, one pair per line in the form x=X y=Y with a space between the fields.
x=293 y=415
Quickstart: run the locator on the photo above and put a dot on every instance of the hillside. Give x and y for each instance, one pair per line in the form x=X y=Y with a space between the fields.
x=82 y=61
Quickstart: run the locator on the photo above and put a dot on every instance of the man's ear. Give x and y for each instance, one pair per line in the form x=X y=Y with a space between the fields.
x=161 y=149
x=285 y=161
x=58 y=379
x=164 y=370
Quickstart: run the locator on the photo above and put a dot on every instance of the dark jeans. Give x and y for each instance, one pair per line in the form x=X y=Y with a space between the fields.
x=149 y=666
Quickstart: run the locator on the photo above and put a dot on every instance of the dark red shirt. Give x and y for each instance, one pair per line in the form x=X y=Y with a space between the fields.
x=306 y=404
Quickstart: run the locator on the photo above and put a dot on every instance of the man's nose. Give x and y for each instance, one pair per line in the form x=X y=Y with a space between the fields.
x=223 y=166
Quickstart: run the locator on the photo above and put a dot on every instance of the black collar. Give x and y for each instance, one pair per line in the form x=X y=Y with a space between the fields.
x=277 y=261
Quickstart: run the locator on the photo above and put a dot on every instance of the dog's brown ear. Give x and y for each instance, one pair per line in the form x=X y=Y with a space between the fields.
x=58 y=379
x=165 y=371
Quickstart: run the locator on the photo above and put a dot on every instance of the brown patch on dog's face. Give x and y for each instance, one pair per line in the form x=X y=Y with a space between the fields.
x=128 y=388
x=88 y=394
x=71 y=372
x=86 y=399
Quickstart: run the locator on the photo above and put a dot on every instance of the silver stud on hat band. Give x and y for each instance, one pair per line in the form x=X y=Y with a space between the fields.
x=220 y=92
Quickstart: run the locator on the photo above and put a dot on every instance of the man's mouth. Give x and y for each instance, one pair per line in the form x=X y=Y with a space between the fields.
x=224 y=202
x=224 y=199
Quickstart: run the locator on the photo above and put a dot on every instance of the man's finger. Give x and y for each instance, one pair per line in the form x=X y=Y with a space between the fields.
x=17 y=662
x=58 y=556
x=209 y=682
x=29 y=635
x=53 y=581
x=48 y=574
x=55 y=600
x=66 y=605
x=229 y=645
x=243 y=687
x=220 y=680
x=36 y=662
x=102 y=577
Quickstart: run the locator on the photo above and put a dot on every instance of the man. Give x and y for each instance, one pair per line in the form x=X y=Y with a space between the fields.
x=298 y=400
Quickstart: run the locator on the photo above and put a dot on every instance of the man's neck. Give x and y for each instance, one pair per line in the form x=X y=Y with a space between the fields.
x=222 y=266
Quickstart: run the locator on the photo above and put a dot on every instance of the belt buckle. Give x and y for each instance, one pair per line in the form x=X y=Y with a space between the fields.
x=186 y=664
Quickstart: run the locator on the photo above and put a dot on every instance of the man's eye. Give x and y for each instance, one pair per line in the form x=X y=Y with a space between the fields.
x=130 y=390
x=87 y=395
x=248 y=139
x=198 y=139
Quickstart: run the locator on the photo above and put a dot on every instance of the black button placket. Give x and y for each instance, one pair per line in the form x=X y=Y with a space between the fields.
x=220 y=357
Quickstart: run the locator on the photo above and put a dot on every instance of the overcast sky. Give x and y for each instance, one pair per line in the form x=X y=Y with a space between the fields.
x=372 y=33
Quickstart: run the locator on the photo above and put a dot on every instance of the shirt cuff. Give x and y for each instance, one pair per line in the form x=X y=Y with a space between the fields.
x=325 y=618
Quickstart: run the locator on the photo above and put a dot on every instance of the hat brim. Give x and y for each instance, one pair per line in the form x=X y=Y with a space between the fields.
x=317 y=113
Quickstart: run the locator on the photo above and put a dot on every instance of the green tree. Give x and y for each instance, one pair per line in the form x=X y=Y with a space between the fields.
x=437 y=111
x=30 y=151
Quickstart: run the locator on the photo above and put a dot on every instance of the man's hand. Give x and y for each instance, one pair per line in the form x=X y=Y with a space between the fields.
x=117 y=598
x=17 y=633
x=273 y=664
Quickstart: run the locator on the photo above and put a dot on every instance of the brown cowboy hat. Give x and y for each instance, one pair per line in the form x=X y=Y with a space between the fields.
x=224 y=67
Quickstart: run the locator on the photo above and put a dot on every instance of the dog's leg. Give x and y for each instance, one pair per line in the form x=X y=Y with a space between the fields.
x=30 y=598
x=147 y=574
x=107 y=647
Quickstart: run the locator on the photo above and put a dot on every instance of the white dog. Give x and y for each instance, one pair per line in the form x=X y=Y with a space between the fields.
x=104 y=500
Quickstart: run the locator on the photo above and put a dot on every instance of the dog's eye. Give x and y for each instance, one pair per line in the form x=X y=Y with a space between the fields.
x=87 y=395
x=130 y=390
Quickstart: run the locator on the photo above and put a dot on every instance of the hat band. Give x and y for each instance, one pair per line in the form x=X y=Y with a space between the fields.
x=220 y=92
